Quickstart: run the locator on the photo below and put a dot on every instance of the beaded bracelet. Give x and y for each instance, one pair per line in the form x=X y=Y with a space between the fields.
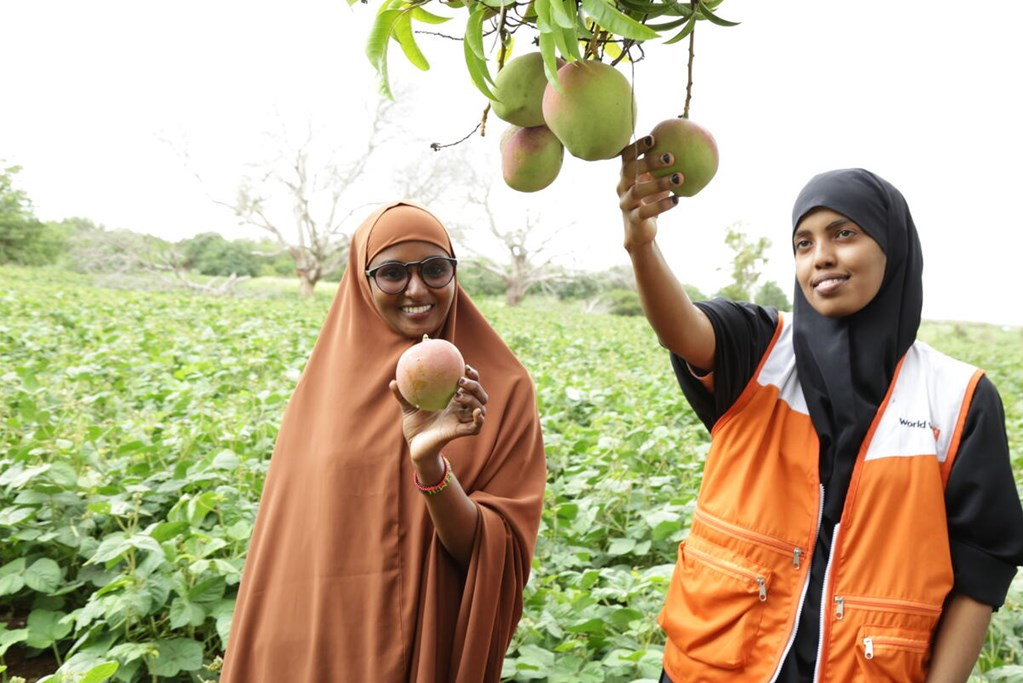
x=436 y=488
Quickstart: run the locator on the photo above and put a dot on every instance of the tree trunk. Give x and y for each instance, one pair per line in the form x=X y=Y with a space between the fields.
x=306 y=286
x=514 y=295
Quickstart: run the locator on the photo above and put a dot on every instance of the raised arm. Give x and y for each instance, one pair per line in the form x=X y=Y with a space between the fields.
x=681 y=327
x=453 y=513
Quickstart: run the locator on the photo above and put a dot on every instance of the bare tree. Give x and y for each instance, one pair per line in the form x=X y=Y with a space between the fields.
x=527 y=249
x=306 y=205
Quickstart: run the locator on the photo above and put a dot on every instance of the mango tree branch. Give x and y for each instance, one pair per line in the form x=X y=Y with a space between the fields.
x=689 y=81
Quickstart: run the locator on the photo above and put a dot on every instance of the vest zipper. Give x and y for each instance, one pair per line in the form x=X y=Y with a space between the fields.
x=883 y=605
x=902 y=643
x=825 y=626
x=731 y=568
x=802 y=593
x=752 y=536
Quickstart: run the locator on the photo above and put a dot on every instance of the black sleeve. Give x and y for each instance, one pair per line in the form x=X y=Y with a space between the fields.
x=985 y=519
x=742 y=332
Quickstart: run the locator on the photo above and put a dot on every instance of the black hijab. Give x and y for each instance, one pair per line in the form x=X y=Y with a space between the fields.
x=846 y=364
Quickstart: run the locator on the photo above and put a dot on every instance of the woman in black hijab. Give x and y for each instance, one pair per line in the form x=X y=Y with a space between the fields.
x=819 y=399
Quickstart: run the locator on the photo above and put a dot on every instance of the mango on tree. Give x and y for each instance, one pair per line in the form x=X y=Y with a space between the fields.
x=518 y=90
x=592 y=110
x=587 y=102
x=694 y=150
x=531 y=158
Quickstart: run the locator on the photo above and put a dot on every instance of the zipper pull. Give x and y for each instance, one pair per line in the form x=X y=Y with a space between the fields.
x=839 y=608
x=797 y=554
x=868 y=647
x=762 y=582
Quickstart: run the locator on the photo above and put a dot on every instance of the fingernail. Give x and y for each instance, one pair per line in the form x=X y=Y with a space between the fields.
x=462 y=382
x=675 y=179
x=666 y=158
x=674 y=199
x=648 y=140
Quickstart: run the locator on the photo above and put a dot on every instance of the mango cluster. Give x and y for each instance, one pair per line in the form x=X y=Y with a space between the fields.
x=591 y=114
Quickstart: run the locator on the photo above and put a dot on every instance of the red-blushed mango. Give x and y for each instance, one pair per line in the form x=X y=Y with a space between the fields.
x=519 y=87
x=428 y=373
x=694 y=149
x=595 y=112
x=531 y=158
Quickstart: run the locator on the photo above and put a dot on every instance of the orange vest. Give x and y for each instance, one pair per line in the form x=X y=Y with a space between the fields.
x=743 y=570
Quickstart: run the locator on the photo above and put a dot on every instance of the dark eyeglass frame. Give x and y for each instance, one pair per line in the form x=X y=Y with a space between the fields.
x=372 y=272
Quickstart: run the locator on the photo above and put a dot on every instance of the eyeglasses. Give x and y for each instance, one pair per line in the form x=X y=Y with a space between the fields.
x=393 y=277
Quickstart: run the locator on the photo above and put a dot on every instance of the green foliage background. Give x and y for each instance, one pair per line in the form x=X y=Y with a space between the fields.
x=135 y=429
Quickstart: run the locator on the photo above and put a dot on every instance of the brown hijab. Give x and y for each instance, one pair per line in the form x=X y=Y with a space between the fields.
x=345 y=579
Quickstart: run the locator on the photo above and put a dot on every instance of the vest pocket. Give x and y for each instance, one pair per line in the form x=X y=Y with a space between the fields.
x=714 y=606
x=892 y=654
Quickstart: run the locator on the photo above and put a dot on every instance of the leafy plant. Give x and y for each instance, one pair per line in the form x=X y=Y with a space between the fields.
x=572 y=30
x=135 y=429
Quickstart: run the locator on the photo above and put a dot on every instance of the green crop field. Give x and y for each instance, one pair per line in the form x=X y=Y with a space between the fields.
x=136 y=427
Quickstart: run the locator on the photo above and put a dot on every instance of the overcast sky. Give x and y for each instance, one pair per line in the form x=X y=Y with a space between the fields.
x=102 y=102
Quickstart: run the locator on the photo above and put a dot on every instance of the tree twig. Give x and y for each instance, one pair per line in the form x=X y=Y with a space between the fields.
x=436 y=146
x=689 y=81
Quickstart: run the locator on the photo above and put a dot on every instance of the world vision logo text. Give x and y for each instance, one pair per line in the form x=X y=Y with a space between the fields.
x=921 y=424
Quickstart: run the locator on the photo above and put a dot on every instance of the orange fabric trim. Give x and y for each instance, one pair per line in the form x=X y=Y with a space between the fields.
x=854 y=480
x=964 y=409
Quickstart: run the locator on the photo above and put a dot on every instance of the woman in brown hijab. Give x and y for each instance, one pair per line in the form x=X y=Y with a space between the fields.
x=368 y=562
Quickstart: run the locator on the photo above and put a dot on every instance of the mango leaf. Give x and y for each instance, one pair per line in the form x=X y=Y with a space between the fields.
x=544 y=23
x=379 y=40
x=474 y=31
x=560 y=15
x=548 y=50
x=574 y=54
x=475 y=60
x=421 y=15
x=654 y=9
x=613 y=20
x=713 y=18
x=403 y=34
x=686 y=30
x=668 y=25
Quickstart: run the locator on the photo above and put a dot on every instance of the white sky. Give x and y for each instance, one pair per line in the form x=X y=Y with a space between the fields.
x=100 y=100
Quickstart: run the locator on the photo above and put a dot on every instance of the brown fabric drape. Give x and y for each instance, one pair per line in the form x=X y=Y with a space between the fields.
x=345 y=579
